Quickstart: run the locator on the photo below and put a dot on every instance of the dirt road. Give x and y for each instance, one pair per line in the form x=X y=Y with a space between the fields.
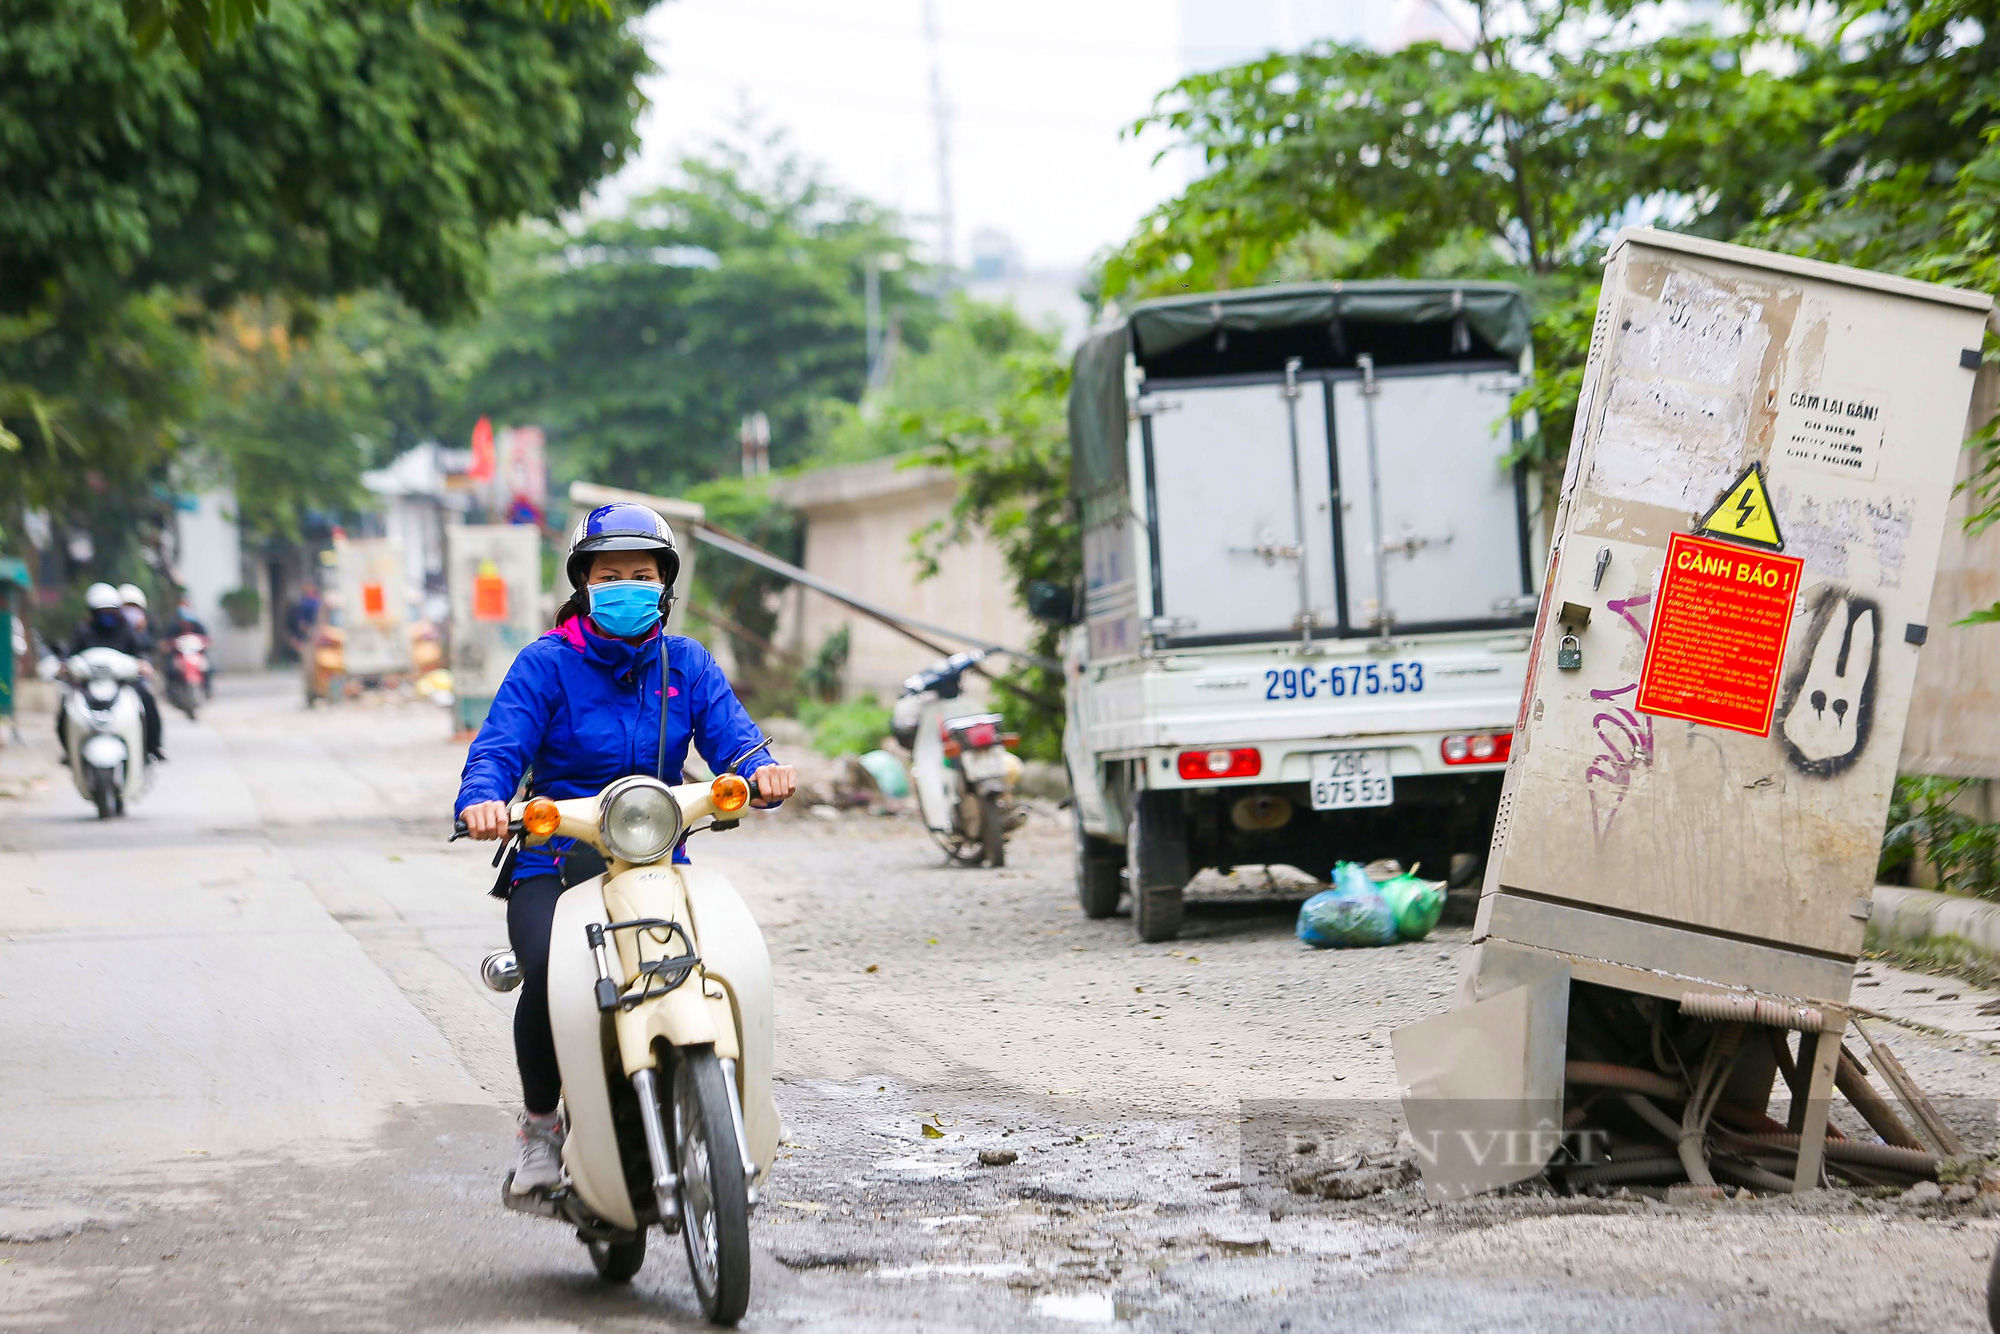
x=248 y=1080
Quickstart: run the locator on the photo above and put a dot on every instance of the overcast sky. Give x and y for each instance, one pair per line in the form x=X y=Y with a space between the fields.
x=1038 y=89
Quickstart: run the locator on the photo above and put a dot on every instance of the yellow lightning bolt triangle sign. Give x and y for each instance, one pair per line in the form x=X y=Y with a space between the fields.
x=1744 y=513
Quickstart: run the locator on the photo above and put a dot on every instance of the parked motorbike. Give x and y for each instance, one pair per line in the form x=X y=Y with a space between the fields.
x=187 y=673
x=660 y=999
x=960 y=765
x=104 y=725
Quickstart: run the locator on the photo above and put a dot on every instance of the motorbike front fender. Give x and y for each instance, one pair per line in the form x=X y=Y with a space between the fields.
x=930 y=775
x=733 y=954
x=583 y=1044
x=681 y=1018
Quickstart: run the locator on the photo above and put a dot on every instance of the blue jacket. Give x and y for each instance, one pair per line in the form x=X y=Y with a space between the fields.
x=581 y=709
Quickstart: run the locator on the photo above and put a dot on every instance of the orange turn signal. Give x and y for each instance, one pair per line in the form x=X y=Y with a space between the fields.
x=540 y=817
x=729 y=794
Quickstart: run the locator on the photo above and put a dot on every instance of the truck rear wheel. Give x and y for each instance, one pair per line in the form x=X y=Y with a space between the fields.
x=1098 y=882
x=1156 y=859
x=1156 y=914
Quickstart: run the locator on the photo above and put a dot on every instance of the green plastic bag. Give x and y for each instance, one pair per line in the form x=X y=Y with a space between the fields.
x=1415 y=904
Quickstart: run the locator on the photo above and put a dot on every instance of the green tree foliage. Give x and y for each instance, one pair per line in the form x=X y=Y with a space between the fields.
x=1555 y=124
x=1011 y=454
x=330 y=146
x=338 y=145
x=643 y=340
x=199 y=27
x=965 y=368
x=1859 y=131
x=292 y=417
x=739 y=599
x=89 y=397
x=1925 y=824
x=1515 y=158
x=1910 y=175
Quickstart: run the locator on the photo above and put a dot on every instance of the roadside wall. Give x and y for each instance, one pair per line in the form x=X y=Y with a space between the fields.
x=1918 y=919
x=1954 y=725
x=859 y=522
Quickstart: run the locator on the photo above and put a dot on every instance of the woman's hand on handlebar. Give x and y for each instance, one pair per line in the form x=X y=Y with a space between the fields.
x=775 y=782
x=485 y=819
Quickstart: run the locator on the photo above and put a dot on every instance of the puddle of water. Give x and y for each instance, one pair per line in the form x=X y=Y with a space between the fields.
x=935 y=1223
x=953 y=1271
x=920 y=1167
x=1085 y=1308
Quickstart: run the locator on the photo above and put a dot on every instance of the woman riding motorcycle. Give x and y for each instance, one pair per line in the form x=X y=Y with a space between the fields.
x=603 y=695
x=105 y=625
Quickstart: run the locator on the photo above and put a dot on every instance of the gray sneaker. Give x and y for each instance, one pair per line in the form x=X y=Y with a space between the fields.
x=540 y=1165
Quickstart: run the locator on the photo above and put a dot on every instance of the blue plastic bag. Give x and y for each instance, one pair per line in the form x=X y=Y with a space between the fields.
x=1351 y=913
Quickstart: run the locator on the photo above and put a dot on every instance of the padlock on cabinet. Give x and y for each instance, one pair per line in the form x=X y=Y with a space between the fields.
x=1569 y=654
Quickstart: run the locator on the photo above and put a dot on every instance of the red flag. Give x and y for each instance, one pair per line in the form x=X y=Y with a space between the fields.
x=482 y=452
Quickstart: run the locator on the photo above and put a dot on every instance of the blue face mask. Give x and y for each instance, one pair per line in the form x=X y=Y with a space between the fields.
x=627 y=607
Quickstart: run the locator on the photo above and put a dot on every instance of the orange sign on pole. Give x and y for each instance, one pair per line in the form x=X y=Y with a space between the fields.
x=1718 y=638
x=489 y=594
x=482 y=451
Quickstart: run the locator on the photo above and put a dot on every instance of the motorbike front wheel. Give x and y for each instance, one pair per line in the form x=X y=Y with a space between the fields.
x=104 y=793
x=714 y=1192
x=619 y=1261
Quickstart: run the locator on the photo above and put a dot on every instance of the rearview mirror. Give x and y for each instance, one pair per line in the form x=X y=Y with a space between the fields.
x=1051 y=603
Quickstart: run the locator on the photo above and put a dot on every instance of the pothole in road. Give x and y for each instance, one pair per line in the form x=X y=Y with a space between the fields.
x=1088 y=1308
x=998 y=1270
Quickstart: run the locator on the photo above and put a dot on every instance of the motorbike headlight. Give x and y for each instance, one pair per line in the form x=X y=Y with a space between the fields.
x=101 y=692
x=641 y=820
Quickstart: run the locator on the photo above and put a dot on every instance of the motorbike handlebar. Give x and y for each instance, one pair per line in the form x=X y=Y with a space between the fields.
x=458 y=830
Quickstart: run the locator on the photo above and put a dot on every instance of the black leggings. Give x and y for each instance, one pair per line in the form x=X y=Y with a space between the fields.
x=531 y=909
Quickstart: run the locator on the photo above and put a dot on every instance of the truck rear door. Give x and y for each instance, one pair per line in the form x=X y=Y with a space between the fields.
x=1225 y=513
x=1451 y=548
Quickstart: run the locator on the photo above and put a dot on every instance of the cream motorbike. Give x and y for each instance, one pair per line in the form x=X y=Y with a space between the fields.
x=964 y=775
x=660 y=998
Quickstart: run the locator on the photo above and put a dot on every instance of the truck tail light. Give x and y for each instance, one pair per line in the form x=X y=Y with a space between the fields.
x=1477 y=748
x=1201 y=765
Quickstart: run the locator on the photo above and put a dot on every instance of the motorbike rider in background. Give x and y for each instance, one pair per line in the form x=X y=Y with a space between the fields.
x=107 y=624
x=605 y=694
x=133 y=603
x=184 y=622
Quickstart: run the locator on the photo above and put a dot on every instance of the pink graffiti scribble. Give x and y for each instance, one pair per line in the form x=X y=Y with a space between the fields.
x=1624 y=738
x=1621 y=605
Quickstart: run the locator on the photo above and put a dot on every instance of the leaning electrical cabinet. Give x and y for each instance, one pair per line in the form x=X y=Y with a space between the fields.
x=1736 y=598
x=1310 y=563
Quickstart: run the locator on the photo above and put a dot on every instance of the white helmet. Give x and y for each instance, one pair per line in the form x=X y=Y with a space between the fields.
x=132 y=595
x=100 y=597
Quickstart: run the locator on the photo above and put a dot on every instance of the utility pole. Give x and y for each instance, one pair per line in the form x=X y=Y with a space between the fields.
x=872 y=303
x=941 y=118
x=879 y=335
x=756 y=440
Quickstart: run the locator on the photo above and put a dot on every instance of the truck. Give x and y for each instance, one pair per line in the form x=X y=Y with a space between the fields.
x=1311 y=562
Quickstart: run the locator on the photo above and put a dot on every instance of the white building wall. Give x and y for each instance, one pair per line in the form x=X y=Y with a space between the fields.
x=210 y=563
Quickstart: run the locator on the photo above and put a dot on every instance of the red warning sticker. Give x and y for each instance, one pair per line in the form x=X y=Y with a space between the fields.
x=1718 y=637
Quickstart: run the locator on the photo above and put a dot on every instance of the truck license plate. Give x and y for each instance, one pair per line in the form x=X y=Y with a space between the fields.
x=1348 y=779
